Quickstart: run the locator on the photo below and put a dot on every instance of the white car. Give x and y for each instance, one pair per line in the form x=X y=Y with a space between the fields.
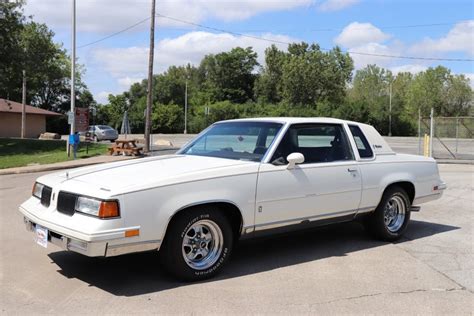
x=237 y=179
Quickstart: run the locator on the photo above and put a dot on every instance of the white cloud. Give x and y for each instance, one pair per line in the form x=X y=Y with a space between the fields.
x=126 y=82
x=129 y=65
x=357 y=34
x=102 y=97
x=335 y=5
x=470 y=76
x=361 y=60
x=366 y=41
x=412 y=68
x=113 y=15
x=459 y=39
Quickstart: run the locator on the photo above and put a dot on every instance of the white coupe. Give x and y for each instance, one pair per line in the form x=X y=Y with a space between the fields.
x=237 y=179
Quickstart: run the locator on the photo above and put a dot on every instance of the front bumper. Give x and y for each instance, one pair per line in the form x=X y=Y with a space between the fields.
x=101 y=248
x=90 y=249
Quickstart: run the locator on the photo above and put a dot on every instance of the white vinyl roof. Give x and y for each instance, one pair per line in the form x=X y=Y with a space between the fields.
x=291 y=120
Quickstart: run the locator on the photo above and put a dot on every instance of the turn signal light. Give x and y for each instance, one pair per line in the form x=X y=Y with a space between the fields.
x=132 y=232
x=109 y=209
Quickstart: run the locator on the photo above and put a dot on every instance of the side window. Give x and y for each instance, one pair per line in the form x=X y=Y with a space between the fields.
x=317 y=143
x=362 y=144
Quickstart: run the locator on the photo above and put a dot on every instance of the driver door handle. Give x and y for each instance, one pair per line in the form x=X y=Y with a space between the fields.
x=351 y=169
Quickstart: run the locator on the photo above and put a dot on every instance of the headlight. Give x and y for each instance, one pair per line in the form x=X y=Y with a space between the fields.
x=37 y=190
x=94 y=207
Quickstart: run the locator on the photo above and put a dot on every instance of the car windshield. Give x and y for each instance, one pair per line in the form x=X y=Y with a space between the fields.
x=104 y=127
x=235 y=140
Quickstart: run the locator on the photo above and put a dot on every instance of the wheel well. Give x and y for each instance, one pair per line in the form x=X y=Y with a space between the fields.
x=228 y=209
x=405 y=185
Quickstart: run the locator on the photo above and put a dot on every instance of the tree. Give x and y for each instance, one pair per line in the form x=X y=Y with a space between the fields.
x=268 y=84
x=230 y=75
x=371 y=88
x=27 y=45
x=11 y=25
x=448 y=94
x=167 y=118
x=304 y=75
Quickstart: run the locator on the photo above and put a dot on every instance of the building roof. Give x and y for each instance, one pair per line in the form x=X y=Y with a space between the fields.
x=7 y=106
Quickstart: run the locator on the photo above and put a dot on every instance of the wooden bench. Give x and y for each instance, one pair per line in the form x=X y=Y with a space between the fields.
x=126 y=147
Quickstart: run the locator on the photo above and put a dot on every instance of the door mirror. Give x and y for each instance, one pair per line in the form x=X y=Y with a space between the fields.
x=294 y=159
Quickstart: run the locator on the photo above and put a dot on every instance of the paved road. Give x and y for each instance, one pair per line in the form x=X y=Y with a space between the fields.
x=336 y=269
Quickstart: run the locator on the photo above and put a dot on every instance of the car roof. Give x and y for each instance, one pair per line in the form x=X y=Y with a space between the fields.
x=291 y=120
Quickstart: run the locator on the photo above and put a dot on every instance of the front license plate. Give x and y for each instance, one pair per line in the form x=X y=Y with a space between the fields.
x=41 y=236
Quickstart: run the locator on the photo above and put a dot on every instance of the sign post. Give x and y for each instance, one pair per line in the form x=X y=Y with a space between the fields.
x=80 y=119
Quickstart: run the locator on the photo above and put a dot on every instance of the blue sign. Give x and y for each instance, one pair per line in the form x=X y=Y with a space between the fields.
x=74 y=139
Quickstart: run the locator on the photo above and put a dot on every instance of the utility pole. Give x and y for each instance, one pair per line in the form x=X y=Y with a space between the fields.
x=186 y=107
x=23 y=106
x=390 y=110
x=73 y=75
x=149 y=99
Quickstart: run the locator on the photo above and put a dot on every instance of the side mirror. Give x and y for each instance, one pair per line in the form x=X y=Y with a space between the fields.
x=294 y=159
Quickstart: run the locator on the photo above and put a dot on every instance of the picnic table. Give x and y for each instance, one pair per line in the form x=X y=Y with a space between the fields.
x=126 y=147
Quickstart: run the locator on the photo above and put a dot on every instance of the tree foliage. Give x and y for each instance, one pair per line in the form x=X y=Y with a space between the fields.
x=29 y=46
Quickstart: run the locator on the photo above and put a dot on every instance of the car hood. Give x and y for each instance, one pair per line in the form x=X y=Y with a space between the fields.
x=115 y=178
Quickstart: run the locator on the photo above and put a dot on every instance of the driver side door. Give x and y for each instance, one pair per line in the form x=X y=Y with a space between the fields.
x=326 y=185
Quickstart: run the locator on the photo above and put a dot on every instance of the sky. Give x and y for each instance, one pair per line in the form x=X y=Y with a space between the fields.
x=187 y=30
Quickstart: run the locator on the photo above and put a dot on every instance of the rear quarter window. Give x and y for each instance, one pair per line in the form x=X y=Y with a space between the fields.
x=363 y=146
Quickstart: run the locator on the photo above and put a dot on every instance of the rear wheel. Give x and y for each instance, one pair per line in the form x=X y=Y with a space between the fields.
x=197 y=244
x=391 y=217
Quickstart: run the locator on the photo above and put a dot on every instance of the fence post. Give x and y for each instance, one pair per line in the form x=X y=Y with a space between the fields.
x=431 y=131
x=419 y=131
x=457 y=134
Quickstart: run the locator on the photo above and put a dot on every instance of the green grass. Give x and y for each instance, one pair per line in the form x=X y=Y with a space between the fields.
x=16 y=152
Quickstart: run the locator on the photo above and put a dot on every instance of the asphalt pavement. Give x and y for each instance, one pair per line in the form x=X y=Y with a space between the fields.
x=335 y=269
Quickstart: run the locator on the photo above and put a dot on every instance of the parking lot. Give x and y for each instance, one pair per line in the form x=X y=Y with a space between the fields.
x=334 y=269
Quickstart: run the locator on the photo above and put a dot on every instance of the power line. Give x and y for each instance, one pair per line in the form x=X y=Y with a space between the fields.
x=275 y=41
x=322 y=48
x=116 y=33
x=354 y=28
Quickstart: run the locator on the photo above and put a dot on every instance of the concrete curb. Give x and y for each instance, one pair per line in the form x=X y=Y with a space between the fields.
x=64 y=165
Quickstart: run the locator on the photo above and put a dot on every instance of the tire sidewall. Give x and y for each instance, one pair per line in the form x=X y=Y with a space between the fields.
x=381 y=229
x=178 y=231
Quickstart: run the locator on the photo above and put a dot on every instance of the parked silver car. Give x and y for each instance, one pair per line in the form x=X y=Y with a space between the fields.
x=102 y=132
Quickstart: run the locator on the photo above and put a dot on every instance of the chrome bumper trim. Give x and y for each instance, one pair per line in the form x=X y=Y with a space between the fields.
x=92 y=249
x=118 y=250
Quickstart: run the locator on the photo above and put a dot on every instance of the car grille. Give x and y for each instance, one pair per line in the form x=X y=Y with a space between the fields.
x=46 y=196
x=67 y=203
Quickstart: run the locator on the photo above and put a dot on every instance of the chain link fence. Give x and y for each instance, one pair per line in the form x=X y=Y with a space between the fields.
x=453 y=137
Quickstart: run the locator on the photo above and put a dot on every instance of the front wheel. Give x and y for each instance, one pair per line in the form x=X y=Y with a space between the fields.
x=391 y=217
x=197 y=244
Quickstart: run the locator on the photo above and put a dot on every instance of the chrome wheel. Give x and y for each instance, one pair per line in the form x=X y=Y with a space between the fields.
x=394 y=213
x=202 y=245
